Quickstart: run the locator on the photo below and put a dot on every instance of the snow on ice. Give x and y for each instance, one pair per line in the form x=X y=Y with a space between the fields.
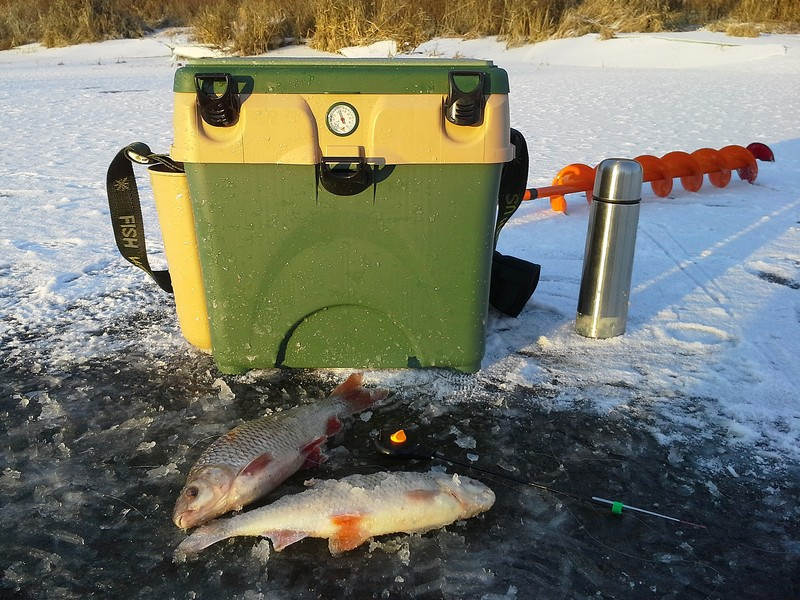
x=694 y=412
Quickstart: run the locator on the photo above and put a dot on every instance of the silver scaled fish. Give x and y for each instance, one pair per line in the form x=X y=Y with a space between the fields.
x=349 y=511
x=251 y=460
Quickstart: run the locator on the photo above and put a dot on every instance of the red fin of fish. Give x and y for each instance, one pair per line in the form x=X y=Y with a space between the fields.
x=281 y=539
x=357 y=398
x=313 y=453
x=349 y=533
x=333 y=426
x=257 y=465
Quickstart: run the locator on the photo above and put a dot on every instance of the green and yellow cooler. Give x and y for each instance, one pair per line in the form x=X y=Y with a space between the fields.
x=344 y=209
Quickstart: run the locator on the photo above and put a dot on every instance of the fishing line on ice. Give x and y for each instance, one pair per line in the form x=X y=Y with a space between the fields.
x=642 y=559
x=128 y=504
x=512 y=483
x=399 y=446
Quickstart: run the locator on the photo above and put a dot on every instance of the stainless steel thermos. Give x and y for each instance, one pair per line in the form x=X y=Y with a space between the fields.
x=610 y=243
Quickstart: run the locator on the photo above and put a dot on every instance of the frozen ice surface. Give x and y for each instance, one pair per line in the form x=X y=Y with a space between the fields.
x=225 y=393
x=692 y=414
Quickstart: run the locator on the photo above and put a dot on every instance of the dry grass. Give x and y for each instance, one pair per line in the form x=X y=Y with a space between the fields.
x=263 y=25
x=342 y=23
x=64 y=22
x=532 y=21
x=742 y=30
x=777 y=15
x=214 y=24
x=609 y=17
x=468 y=18
x=254 y=26
x=68 y=22
x=18 y=24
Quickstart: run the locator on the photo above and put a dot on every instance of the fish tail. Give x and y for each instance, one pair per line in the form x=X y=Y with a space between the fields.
x=203 y=538
x=355 y=396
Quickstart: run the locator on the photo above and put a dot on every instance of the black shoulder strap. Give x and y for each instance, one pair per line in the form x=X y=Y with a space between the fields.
x=125 y=208
x=513 y=182
x=513 y=279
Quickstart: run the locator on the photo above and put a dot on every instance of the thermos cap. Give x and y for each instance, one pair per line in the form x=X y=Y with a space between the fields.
x=618 y=180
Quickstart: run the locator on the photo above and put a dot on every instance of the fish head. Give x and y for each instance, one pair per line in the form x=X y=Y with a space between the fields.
x=473 y=496
x=206 y=495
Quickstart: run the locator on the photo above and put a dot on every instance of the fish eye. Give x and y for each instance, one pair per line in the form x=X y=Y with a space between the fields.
x=191 y=492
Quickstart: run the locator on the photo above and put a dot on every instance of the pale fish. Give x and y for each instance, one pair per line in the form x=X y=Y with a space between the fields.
x=349 y=511
x=251 y=460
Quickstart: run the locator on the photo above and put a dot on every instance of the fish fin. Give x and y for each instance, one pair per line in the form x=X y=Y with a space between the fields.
x=282 y=538
x=349 y=533
x=202 y=538
x=333 y=426
x=313 y=453
x=356 y=397
x=422 y=495
x=258 y=464
x=353 y=382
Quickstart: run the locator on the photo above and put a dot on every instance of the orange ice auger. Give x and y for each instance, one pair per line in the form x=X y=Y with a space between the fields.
x=659 y=172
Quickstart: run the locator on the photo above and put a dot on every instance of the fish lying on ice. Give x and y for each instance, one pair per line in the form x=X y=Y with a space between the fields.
x=351 y=510
x=254 y=458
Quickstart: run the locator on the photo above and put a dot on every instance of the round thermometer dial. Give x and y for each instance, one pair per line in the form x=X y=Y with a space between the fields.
x=342 y=118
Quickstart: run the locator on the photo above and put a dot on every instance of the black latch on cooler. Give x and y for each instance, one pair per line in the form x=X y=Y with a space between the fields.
x=465 y=108
x=218 y=108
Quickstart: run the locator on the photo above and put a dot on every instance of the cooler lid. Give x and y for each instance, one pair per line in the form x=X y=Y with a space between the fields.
x=341 y=75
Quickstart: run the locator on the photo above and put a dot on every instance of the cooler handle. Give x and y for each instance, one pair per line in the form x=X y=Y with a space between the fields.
x=356 y=177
